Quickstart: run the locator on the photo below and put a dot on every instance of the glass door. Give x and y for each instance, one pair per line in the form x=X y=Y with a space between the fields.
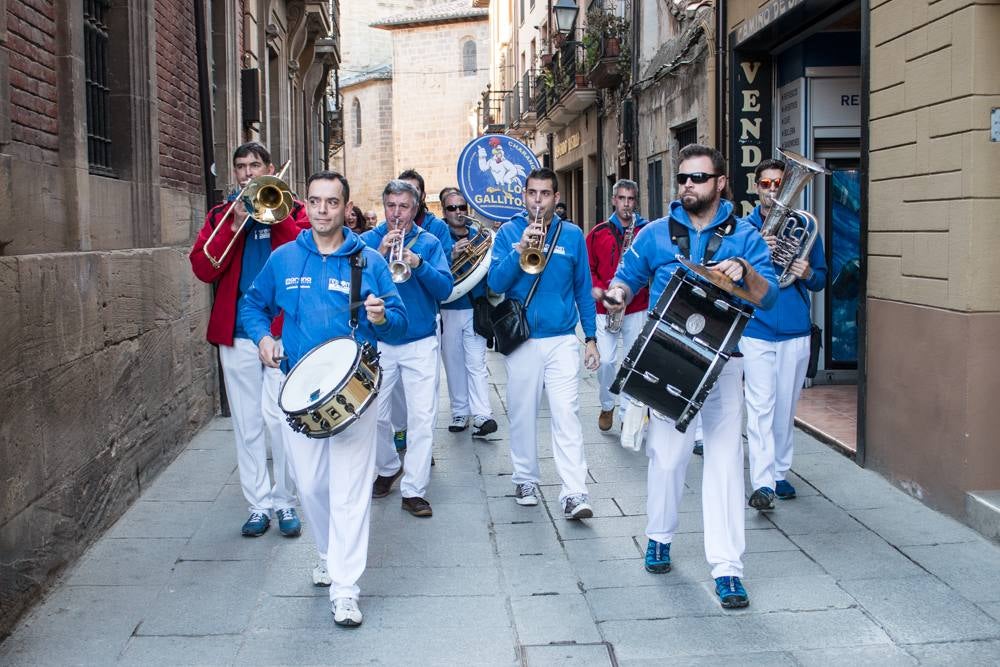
x=843 y=258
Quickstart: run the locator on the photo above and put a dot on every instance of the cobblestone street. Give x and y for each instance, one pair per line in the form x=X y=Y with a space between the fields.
x=852 y=572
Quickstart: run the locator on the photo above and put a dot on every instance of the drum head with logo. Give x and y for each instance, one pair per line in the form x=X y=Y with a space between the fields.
x=318 y=374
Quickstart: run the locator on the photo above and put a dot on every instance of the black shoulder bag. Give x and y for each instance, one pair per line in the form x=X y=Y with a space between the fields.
x=509 y=318
x=815 y=339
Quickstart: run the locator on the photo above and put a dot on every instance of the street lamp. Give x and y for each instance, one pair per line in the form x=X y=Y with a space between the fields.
x=565 y=11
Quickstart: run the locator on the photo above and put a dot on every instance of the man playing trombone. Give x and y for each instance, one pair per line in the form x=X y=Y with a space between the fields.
x=423 y=277
x=251 y=389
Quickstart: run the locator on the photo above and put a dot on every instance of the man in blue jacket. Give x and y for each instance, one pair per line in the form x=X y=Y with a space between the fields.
x=310 y=281
x=551 y=356
x=775 y=347
x=410 y=361
x=463 y=351
x=426 y=220
x=700 y=209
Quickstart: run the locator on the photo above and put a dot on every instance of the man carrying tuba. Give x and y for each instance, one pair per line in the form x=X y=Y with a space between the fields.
x=251 y=389
x=775 y=347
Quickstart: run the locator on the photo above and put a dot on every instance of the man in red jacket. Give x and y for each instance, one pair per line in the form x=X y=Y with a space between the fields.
x=251 y=388
x=606 y=243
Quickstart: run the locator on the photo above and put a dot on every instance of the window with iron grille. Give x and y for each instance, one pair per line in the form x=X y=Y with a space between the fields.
x=686 y=134
x=95 y=29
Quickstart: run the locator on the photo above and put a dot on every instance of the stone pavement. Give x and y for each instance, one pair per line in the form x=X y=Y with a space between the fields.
x=853 y=572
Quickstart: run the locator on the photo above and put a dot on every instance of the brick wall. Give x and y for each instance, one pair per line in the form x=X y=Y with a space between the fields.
x=31 y=43
x=177 y=83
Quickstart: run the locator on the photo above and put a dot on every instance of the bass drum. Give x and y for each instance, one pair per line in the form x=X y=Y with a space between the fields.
x=330 y=387
x=675 y=361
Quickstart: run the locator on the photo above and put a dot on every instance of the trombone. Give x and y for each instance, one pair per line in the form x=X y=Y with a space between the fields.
x=267 y=199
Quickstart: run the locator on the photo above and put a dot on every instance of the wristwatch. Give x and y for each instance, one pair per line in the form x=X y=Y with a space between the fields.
x=590 y=339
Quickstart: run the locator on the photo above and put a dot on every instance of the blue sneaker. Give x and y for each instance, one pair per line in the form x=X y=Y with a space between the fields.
x=399 y=439
x=762 y=499
x=784 y=490
x=256 y=525
x=288 y=522
x=657 y=557
x=731 y=593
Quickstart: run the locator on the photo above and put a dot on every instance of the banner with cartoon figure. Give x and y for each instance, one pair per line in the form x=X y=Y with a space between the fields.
x=491 y=173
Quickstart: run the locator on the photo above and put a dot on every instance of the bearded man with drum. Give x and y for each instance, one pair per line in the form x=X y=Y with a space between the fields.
x=702 y=214
x=251 y=389
x=410 y=361
x=310 y=280
x=775 y=347
x=550 y=357
x=605 y=248
x=463 y=351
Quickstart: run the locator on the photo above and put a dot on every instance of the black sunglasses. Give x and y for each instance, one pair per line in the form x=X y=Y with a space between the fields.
x=698 y=177
x=451 y=208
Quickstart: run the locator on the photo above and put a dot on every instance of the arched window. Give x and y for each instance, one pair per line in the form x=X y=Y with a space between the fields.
x=468 y=58
x=356 y=110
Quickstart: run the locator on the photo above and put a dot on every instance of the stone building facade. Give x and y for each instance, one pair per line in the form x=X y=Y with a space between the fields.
x=109 y=131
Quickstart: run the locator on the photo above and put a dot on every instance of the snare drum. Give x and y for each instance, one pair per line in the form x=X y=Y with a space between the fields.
x=691 y=332
x=330 y=387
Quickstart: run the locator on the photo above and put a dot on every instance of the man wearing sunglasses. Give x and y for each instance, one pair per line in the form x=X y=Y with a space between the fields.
x=463 y=351
x=775 y=347
x=605 y=248
x=701 y=214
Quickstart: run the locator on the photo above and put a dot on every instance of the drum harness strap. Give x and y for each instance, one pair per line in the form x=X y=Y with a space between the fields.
x=357 y=265
x=679 y=236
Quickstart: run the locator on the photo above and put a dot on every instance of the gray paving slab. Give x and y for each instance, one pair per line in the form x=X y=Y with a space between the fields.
x=857 y=555
x=586 y=654
x=813 y=514
x=700 y=636
x=964 y=567
x=162 y=519
x=921 y=609
x=956 y=653
x=906 y=522
x=851 y=656
x=532 y=538
x=143 y=561
x=548 y=619
x=743 y=658
x=180 y=651
x=543 y=574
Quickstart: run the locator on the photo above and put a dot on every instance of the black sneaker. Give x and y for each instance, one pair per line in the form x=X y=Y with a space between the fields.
x=417 y=507
x=383 y=485
x=699 y=448
x=484 y=426
x=762 y=499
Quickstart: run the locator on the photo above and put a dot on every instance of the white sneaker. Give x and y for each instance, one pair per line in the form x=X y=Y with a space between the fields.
x=526 y=493
x=346 y=612
x=577 y=507
x=320 y=576
x=458 y=424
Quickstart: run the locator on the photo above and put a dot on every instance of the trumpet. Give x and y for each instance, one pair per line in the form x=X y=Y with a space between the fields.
x=532 y=259
x=267 y=199
x=398 y=268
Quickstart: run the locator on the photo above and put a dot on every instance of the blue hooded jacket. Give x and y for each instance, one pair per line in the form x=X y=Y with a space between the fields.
x=790 y=317
x=314 y=291
x=429 y=284
x=652 y=258
x=465 y=302
x=563 y=295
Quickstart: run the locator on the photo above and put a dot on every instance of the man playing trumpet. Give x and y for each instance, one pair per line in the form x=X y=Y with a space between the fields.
x=409 y=361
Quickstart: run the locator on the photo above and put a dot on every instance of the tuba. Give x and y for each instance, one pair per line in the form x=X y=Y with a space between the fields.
x=532 y=259
x=267 y=199
x=470 y=266
x=794 y=229
x=399 y=270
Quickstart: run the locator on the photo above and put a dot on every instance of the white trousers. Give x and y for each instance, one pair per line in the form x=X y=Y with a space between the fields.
x=399 y=396
x=554 y=363
x=722 y=498
x=463 y=352
x=414 y=366
x=607 y=347
x=335 y=485
x=252 y=391
x=774 y=373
